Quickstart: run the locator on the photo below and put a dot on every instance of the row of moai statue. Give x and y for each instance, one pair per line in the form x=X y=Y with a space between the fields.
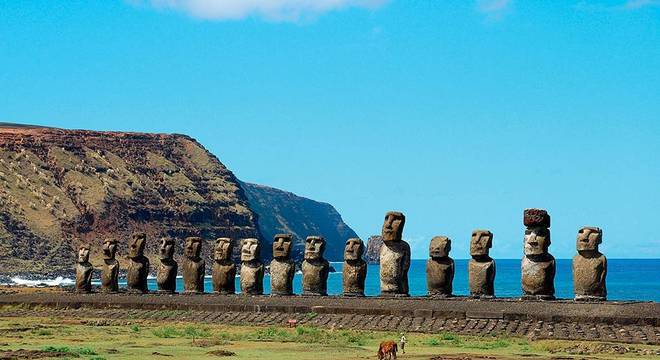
x=538 y=266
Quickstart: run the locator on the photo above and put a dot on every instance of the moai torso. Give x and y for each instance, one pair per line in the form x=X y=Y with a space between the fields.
x=589 y=267
x=439 y=268
x=538 y=266
x=110 y=268
x=282 y=268
x=138 y=265
x=315 y=268
x=193 y=266
x=394 y=257
x=481 y=268
x=354 y=271
x=167 y=267
x=224 y=269
x=252 y=270
x=84 y=271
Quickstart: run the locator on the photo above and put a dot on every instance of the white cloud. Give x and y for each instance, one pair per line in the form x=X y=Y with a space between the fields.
x=273 y=10
x=494 y=9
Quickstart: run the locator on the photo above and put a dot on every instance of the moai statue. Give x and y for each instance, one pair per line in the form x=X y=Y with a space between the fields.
x=252 y=270
x=538 y=266
x=589 y=266
x=110 y=269
x=138 y=265
x=282 y=268
x=440 y=267
x=84 y=270
x=355 y=268
x=194 y=267
x=394 y=257
x=481 y=268
x=224 y=269
x=167 y=269
x=315 y=268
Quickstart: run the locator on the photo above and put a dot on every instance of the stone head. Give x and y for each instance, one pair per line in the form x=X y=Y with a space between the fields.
x=354 y=249
x=166 y=248
x=282 y=246
x=481 y=242
x=393 y=226
x=439 y=247
x=537 y=240
x=314 y=247
x=589 y=238
x=83 y=254
x=109 y=249
x=250 y=249
x=193 y=247
x=136 y=245
x=223 y=249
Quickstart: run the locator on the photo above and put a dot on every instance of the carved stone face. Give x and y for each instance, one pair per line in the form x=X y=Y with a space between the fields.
x=354 y=249
x=223 y=249
x=83 y=254
x=136 y=246
x=193 y=247
x=250 y=250
x=537 y=241
x=282 y=246
x=589 y=238
x=314 y=247
x=166 y=248
x=439 y=247
x=109 y=249
x=393 y=226
x=481 y=242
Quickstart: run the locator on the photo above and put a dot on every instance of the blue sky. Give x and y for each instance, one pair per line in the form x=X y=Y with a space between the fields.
x=458 y=113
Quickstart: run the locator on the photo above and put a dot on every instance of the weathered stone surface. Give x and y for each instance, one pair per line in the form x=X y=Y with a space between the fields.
x=439 y=268
x=282 y=268
x=224 y=269
x=394 y=257
x=110 y=269
x=589 y=266
x=315 y=268
x=354 y=271
x=167 y=268
x=138 y=264
x=372 y=253
x=193 y=266
x=252 y=269
x=538 y=266
x=481 y=268
x=84 y=270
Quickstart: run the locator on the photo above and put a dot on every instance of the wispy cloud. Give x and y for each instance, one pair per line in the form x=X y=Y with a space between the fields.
x=272 y=10
x=494 y=9
x=638 y=4
x=628 y=5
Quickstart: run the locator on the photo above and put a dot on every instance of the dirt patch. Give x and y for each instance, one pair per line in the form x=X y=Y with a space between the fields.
x=595 y=349
x=33 y=354
x=156 y=353
x=208 y=343
x=221 y=353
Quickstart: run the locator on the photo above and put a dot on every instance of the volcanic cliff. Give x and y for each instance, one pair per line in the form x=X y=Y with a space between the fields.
x=60 y=188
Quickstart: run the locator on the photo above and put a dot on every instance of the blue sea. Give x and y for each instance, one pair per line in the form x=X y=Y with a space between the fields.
x=627 y=279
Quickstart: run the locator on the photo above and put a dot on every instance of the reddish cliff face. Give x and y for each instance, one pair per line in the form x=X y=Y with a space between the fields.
x=60 y=188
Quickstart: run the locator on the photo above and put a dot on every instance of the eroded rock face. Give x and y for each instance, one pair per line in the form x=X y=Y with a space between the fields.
x=110 y=269
x=252 y=269
x=394 y=257
x=315 y=268
x=84 y=270
x=167 y=268
x=193 y=266
x=224 y=269
x=589 y=266
x=138 y=264
x=355 y=269
x=481 y=267
x=439 y=268
x=282 y=268
x=538 y=266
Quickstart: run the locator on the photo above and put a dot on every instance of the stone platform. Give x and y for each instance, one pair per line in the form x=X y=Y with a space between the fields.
x=630 y=322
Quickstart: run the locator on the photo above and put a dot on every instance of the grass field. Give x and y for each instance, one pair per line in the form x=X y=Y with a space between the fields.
x=120 y=339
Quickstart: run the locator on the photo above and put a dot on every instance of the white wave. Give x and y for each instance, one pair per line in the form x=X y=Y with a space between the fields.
x=58 y=281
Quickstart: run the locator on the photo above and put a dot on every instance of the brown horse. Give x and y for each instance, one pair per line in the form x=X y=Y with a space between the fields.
x=387 y=350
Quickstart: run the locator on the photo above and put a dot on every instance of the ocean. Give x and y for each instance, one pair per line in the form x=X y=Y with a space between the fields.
x=627 y=279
